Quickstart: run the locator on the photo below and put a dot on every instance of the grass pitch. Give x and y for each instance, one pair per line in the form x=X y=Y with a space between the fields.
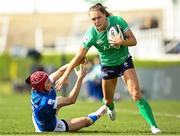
x=15 y=117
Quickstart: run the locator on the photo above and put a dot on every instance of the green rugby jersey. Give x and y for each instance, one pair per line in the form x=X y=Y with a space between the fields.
x=109 y=55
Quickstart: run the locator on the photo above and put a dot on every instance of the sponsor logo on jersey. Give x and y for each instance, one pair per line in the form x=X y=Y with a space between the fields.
x=99 y=42
x=85 y=39
x=51 y=101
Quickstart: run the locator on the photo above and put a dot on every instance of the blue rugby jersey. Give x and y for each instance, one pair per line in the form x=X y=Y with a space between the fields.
x=44 y=105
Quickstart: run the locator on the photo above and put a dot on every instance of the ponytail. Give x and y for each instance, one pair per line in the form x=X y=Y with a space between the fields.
x=101 y=8
x=27 y=80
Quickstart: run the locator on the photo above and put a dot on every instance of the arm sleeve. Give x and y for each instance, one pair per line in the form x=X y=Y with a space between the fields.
x=88 y=40
x=123 y=24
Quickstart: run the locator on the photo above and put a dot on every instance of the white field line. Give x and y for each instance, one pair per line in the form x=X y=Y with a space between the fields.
x=155 y=113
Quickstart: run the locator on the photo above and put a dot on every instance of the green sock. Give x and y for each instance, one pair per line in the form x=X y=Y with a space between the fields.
x=146 y=112
x=110 y=106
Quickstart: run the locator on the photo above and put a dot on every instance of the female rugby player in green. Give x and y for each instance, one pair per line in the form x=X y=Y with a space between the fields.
x=115 y=60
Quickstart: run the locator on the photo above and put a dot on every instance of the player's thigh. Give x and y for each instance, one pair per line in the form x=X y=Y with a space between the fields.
x=109 y=87
x=131 y=80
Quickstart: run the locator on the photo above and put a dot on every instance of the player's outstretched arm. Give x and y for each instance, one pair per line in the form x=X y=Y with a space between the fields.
x=78 y=59
x=71 y=99
x=58 y=73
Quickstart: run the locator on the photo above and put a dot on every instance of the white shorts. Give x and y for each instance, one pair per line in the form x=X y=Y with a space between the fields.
x=61 y=126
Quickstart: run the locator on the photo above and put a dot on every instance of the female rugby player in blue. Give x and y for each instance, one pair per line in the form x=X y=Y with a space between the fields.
x=115 y=60
x=45 y=103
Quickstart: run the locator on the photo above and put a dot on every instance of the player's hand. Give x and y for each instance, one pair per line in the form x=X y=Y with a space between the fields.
x=84 y=61
x=116 y=40
x=82 y=72
x=59 y=83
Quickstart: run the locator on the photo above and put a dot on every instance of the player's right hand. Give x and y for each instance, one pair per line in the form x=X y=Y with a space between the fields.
x=82 y=72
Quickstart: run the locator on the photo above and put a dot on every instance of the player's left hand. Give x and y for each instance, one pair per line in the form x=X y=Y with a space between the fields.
x=116 y=40
x=60 y=82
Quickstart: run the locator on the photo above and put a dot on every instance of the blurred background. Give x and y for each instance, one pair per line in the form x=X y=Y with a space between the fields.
x=45 y=34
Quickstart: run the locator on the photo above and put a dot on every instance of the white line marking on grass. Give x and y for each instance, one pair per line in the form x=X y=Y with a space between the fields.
x=155 y=113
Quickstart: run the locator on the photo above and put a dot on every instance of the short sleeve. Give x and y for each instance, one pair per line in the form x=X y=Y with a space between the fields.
x=123 y=24
x=88 y=39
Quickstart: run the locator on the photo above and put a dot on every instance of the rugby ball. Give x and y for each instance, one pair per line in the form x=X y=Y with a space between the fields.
x=113 y=32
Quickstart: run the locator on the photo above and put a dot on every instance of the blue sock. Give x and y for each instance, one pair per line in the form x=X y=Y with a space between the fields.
x=93 y=117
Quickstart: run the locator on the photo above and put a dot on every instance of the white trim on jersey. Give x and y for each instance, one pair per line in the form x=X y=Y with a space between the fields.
x=60 y=126
x=56 y=103
x=126 y=29
x=35 y=125
x=51 y=79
